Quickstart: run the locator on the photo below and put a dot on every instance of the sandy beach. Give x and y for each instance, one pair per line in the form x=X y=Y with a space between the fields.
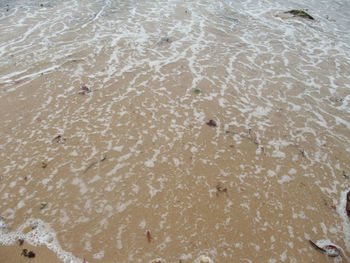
x=13 y=254
x=166 y=131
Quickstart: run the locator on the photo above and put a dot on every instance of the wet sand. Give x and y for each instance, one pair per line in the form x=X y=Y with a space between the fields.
x=89 y=175
x=184 y=205
x=13 y=254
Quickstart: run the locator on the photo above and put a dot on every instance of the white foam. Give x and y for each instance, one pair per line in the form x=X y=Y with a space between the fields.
x=43 y=234
x=284 y=179
x=341 y=209
x=99 y=255
x=149 y=163
x=119 y=236
x=20 y=204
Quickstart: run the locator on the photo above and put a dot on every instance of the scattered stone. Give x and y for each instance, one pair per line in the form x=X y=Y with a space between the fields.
x=43 y=205
x=59 y=139
x=28 y=254
x=211 y=123
x=85 y=90
x=41 y=5
x=165 y=40
x=220 y=189
x=299 y=13
x=43 y=165
x=345 y=175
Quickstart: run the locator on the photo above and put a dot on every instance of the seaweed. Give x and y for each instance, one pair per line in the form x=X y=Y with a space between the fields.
x=197 y=91
x=20 y=241
x=299 y=13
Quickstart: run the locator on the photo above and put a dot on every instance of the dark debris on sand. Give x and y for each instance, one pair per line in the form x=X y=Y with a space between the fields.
x=85 y=90
x=299 y=13
x=211 y=123
x=28 y=254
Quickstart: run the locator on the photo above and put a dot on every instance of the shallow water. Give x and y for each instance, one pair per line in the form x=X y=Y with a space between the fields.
x=136 y=155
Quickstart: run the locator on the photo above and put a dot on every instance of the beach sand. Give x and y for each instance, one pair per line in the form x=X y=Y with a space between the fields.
x=95 y=172
x=12 y=254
